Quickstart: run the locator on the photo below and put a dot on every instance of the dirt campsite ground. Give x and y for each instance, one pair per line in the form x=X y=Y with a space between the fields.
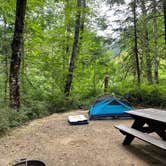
x=55 y=142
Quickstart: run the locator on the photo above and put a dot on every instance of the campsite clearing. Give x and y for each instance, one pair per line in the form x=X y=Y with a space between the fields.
x=55 y=142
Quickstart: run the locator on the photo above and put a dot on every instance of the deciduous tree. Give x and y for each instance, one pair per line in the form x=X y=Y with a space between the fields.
x=17 y=53
x=74 y=50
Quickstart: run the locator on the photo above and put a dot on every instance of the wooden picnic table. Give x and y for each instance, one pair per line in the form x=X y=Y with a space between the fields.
x=146 y=121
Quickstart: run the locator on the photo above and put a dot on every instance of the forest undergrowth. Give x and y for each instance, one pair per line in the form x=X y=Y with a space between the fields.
x=139 y=97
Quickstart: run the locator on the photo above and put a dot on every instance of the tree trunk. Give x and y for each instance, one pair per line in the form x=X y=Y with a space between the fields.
x=106 y=81
x=66 y=46
x=94 y=78
x=164 y=9
x=135 y=44
x=67 y=29
x=74 y=50
x=83 y=14
x=146 y=44
x=155 y=36
x=82 y=19
x=5 y=52
x=17 y=51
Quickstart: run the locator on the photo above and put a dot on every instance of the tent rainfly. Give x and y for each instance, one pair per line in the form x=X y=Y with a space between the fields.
x=109 y=106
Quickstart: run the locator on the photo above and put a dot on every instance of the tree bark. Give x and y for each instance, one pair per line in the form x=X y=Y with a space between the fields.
x=5 y=52
x=67 y=29
x=17 y=51
x=146 y=44
x=155 y=36
x=66 y=46
x=83 y=18
x=106 y=81
x=83 y=14
x=136 y=44
x=74 y=50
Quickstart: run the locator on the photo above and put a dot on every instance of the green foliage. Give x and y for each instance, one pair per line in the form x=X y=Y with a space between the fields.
x=145 y=95
x=11 y=118
x=16 y=118
x=58 y=103
x=34 y=109
x=4 y=121
x=49 y=31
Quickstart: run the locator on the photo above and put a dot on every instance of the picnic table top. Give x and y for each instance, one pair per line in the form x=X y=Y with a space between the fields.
x=150 y=113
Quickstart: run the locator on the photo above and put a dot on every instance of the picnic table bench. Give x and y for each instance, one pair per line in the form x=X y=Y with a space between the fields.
x=146 y=121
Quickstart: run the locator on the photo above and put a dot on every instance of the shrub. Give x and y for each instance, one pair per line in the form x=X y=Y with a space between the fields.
x=16 y=118
x=4 y=121
x=146 y=95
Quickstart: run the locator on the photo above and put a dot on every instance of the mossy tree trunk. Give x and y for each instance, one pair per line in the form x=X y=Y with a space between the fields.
x=134 y=5
x=17 y=52
x=146 y=48
x=74 y=50
x=155 y=37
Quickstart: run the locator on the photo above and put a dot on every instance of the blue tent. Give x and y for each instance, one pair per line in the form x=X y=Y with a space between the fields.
x=109 y=106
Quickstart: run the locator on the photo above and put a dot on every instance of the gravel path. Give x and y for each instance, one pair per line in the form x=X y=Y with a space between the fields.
x=55 y=142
